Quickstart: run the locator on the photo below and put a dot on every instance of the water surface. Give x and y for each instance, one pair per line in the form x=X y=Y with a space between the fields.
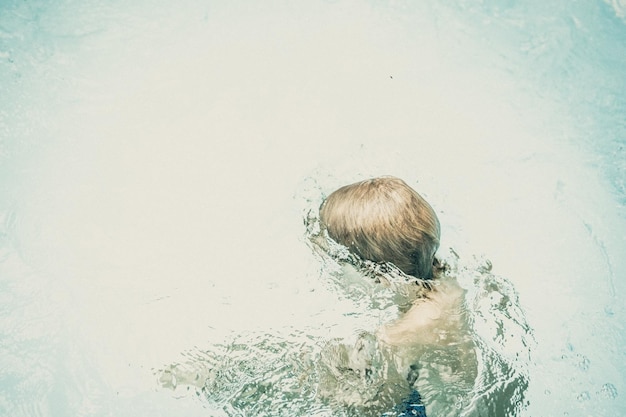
x=156 y=162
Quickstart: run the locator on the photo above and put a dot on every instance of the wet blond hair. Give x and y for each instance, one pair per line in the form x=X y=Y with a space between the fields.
x=384 y=220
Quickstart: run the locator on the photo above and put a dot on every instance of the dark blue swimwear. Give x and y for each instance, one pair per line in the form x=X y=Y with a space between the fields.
x=411 y=407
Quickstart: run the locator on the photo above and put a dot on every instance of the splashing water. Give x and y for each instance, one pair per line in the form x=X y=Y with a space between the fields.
x=484 y=372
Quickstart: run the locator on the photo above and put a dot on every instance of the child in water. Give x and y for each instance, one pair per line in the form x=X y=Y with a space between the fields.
x=383 y=221
x=448 y=352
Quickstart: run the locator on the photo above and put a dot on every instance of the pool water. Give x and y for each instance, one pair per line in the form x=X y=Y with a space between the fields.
x=158 y=162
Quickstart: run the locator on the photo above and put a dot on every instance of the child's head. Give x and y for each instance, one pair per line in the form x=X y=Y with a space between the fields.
x=384 y=220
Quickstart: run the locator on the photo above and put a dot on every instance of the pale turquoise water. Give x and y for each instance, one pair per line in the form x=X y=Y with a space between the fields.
x=156 y=160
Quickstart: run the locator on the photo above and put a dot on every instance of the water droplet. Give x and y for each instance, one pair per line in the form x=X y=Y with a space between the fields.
x=583 y=396
x=583 y=362
x=608 y=391
x=459 y=403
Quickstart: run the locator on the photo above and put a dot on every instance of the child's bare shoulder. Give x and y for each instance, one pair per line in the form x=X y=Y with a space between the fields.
x=435 y=319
